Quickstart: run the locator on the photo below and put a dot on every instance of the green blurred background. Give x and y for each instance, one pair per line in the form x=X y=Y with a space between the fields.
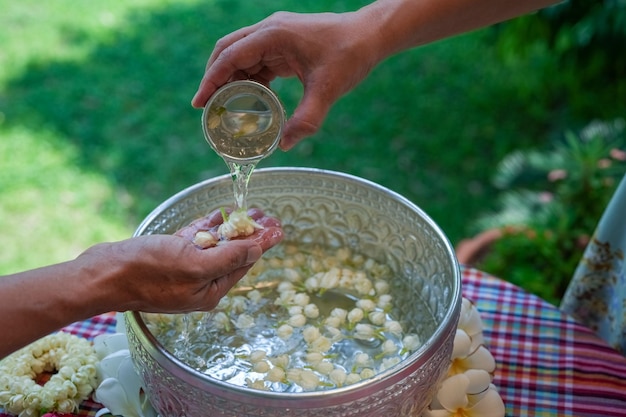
x=96 y=128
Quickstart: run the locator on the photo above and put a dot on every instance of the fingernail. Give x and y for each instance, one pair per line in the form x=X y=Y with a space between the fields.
x=193 y=100
x=254 y=253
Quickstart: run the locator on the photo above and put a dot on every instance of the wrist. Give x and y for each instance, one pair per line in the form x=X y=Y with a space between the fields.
x=97 y=280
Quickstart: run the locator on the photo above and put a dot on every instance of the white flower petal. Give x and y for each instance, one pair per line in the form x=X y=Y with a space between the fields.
x=491 y=405
x=453 y=392
x=477 y=340
x=479 y=381
x=111 y=394
x=481 y=359
x=105 y=344
x=470 y=320
x=131 y=381
x=462 y=344
x=110 y=364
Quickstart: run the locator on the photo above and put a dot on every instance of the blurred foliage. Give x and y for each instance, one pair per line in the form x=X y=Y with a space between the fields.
x=550 y=204
x=580 y=45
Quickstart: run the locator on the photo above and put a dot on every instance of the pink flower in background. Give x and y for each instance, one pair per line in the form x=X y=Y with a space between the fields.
x=618 y=154
x=546 y=197
x=557 y=174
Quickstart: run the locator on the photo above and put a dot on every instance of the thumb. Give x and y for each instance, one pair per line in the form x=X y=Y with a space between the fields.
x=231 y=255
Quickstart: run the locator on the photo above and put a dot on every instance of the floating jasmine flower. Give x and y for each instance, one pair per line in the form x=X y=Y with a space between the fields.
x=257 y=384
x=294 y=375
x=339 y=313
x=346 y=281
x=284 y=332
x=367 y=373
x=411 y=342
x=244 y=321
x=393 y=327
x=221 y=320
x=294 y=310
x=239 y=304
x=338 y=376
x=282 y=361
x=334 y=334
x=355 y=315
x=297 y=320
x=314 y=357
x=330 y=279
x=384 y=301
x=310 y=333
x=275 y=374
x=311 y=311
x=321 y=344
x=382 y=287
x=285 y=297
x=275 y=263
x=309 y=381
x=285 y=286
x=362 y=360
x=352 y=378
x=366 y=305
x=389 y=348
x=363 y=286
x=333 y=322
x=364 y=331
x=316 y=265
x=261 y=367
x=389 y=362
x=377 y=318
x=301 y=299
x=255 y=296
x=224 y=303
x=257 y=356
x=312 y=284
x=324 y=367
x=292 y=275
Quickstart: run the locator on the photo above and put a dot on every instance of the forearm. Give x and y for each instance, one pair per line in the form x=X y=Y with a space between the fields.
x=398 y=25
x=43 y=300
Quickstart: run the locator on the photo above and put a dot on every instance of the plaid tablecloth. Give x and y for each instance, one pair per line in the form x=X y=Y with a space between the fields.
x=548 y=365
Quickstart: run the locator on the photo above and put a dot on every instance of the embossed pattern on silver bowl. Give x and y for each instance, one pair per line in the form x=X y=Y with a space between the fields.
x=337 y=210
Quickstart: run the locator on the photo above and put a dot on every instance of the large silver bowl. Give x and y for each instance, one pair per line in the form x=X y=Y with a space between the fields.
x=333 y=209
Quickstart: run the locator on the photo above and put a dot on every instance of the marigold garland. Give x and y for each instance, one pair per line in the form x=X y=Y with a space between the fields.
x=71 y=360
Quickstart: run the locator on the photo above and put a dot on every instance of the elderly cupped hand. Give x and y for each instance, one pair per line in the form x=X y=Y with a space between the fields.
x=169 y=274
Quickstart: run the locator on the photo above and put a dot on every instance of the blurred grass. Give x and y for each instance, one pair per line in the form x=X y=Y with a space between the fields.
x=96 y=127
